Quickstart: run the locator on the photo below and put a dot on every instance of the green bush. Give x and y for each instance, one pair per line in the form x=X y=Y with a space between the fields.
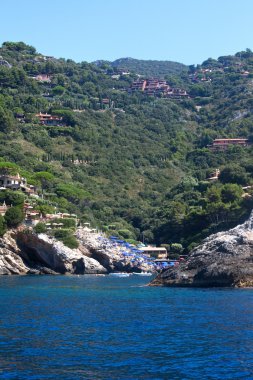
x=71 y=192
x=14 y=198
x=14 y=216
x=61 y=234
x=67 y=237
x=70 y=241
x=68 y=222
x=126 y=234
x=2 y=225
x=40 y=228
x=176 y=248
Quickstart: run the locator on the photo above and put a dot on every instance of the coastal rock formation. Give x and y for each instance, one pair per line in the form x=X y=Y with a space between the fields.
x=223 y=259
x=43 y=252
x=10 y=260
x=25 y=252
x=109 y=255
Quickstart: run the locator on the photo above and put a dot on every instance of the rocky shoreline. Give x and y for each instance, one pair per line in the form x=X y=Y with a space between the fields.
x=224 y=259
x=25 y=252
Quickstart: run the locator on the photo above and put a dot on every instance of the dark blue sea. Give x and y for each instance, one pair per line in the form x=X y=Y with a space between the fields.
x=89 y=327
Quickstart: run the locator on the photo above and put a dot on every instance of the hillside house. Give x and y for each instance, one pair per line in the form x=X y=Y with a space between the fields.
x=158 y=87
x=123 y=72
x=150 y=86
x=157 y=252
x=33 y=216
x=50 y=120
x=43 y=78
x=177 y=93
x=15 y=182
x=61 y=215
x=223 y=144
x=138 y=85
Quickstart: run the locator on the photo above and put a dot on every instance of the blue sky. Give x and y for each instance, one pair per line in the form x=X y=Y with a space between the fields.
x=187 y=31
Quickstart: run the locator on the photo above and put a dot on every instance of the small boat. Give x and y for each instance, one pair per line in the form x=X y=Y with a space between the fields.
x=119 y=274
x=143 y=273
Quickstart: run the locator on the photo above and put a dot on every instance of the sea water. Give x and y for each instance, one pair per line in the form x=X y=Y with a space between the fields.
x=88 y=327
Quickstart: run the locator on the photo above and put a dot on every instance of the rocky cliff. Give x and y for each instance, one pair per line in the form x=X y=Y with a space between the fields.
x=223 y=259
x=40 y=252
x=10 y=259
x=28 y=253
x=24 y=252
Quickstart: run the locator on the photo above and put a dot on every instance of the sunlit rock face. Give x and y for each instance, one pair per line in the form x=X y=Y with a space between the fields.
x=10 y=260
x=45 y=253
x=28 y=253
x=25 y=252
x=223 y=259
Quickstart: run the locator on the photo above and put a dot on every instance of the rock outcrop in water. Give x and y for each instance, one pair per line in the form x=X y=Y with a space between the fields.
x=29 y=253
x=48 y=255
x=24 y=252
x=109 y=255
x=223 y=259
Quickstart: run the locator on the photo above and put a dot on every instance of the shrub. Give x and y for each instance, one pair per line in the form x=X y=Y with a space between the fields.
x=71 y=192
x=40 y=228
x=15 y=198
x=2 y=225
x=70 y=241
x=68 y=222
x=233 y=174
x=61 y=234
x=176 y=248
x=14 y=216
x=67 y=237
x=126 y=234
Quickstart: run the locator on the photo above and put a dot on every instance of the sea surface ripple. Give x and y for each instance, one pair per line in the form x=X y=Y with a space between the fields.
x=104 y=328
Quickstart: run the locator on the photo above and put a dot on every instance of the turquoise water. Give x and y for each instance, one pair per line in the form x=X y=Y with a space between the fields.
x=115 y=328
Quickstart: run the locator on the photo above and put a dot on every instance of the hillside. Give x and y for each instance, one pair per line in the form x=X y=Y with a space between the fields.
x=149 y=68
x=141 y=67
x=133 y=163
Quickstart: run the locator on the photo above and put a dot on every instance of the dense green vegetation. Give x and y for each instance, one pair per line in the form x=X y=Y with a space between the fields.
x=132 y=165
x=149 y=68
